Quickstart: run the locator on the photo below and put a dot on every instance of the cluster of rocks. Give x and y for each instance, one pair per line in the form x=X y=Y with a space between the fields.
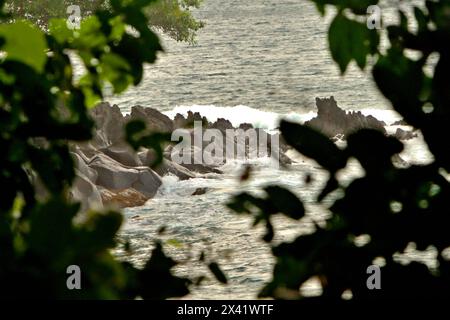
x=338 y=124
x=223 y=125
x=109 y=171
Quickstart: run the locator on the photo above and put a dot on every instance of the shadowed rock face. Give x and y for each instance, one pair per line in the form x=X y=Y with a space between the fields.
x=332 y=120
x=123 y=154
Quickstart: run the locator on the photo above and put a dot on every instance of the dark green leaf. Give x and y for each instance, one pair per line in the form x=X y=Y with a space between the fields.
x=314 y=145
x=285 y=201
x=351 y=40
x=217 y=272
x=24 y=43
x=422 y=20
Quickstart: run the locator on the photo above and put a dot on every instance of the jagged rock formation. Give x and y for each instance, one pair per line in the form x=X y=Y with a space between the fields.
x=109 y=171
x=109 y=123
x=181 y=122
x=333 y=121
x=338 y=124
x=401 y=134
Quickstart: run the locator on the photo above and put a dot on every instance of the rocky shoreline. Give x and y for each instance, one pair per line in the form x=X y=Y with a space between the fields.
x=110 y=173
x=338 y=124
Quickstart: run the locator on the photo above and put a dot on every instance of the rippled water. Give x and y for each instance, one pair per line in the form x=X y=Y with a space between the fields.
x=204 y=223
x=266 y=54
x=255 y=61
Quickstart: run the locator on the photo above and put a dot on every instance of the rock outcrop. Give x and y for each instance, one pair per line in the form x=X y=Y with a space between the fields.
x=112 y=175
x=110 y=172
x=261 y=149
x=181 y=122
x=169 y=167
x=109 y=123
x=401 y=134
x=86 y=192
x=332 y=120
x=155 y=120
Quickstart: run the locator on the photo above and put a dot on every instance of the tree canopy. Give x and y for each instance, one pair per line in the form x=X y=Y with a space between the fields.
x=173 y=17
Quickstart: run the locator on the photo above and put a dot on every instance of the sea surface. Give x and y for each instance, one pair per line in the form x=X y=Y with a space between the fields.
x=255 y=61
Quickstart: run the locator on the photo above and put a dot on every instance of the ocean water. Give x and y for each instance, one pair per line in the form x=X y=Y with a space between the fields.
x=255 y=61
x=265 y=54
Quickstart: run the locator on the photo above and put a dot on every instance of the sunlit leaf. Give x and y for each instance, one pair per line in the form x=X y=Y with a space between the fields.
x=217 y=272
x=24 y=43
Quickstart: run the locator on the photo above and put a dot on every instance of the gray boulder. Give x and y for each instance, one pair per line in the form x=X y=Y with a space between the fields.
x=82 y=167
x=85 y=192
x=112 y=175
x=155 y=120
x=169 y=167
x=332 y=120
x=147 y=157
x=181 y=122
x=109 y=123
x=124 y=154
x=148 y=182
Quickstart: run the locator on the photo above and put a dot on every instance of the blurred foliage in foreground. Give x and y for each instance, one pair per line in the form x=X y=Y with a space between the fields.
x=173 y=17
x=390 y=207
x=39 y=98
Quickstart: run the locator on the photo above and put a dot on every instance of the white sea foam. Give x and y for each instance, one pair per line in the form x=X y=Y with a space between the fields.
x=236 y=115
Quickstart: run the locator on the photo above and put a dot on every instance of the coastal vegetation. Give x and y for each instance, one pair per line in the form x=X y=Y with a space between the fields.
x=172 y=17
